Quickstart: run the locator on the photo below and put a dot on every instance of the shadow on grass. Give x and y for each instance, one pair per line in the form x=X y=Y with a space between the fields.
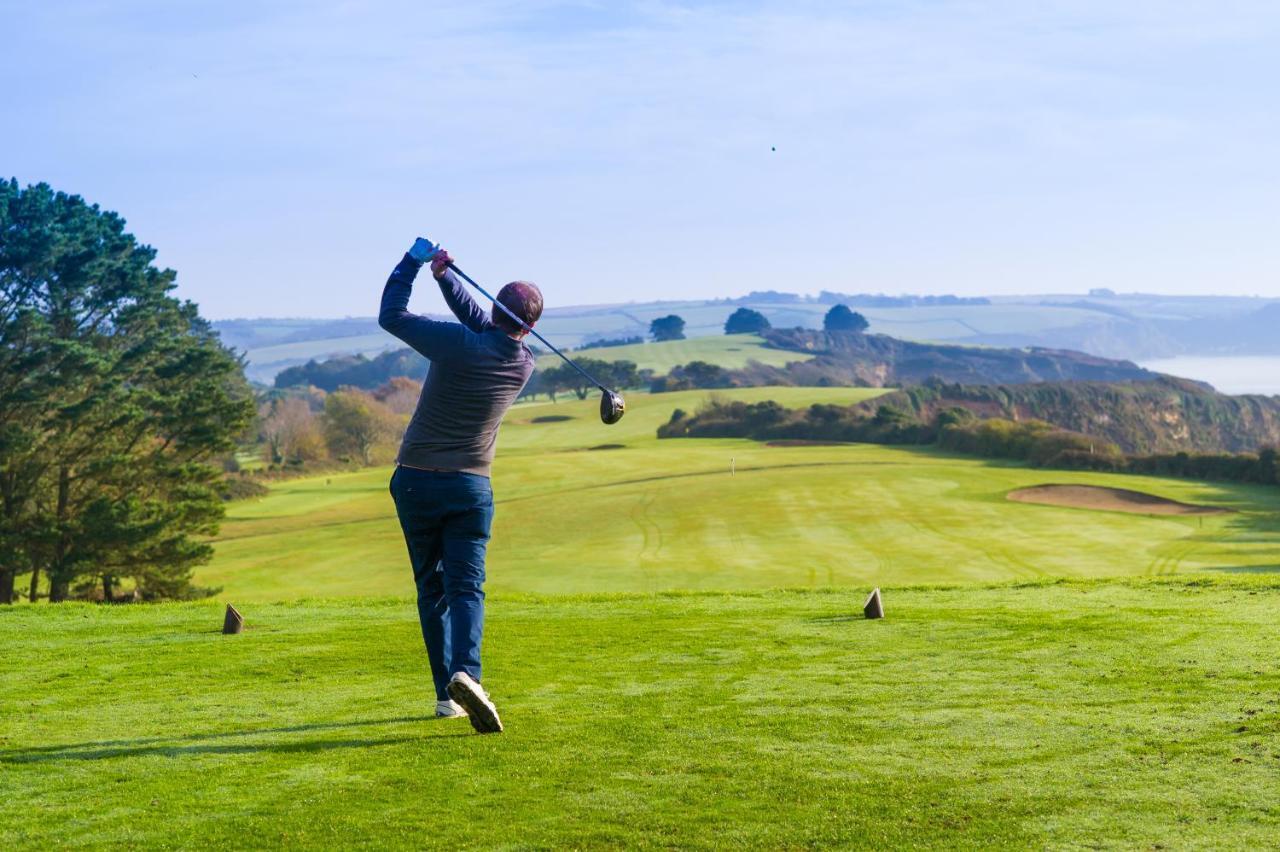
x=836 y=619
x=203 y=743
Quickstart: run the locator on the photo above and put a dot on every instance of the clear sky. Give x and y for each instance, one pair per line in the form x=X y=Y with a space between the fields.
x=282 y=155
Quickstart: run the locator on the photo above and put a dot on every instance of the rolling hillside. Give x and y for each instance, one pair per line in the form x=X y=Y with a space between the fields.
x=1127 y=326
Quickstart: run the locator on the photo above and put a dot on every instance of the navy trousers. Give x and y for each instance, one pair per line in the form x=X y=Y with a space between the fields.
x=446 y=518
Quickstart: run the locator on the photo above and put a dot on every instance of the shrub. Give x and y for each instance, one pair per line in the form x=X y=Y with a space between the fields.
x=746 y=321
x=242 y=488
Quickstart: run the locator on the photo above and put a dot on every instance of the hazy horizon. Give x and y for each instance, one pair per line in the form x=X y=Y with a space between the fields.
x=282 y=158
x=592 y=305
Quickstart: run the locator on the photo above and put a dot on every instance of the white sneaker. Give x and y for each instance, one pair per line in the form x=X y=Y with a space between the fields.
x=448 y=709
x=475 y=701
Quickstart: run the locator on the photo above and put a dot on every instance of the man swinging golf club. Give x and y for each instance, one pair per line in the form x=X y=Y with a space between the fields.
x=441 y=482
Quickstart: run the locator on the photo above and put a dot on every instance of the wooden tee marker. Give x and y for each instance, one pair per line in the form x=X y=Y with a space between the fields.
x=873 y=608
x=234 y=622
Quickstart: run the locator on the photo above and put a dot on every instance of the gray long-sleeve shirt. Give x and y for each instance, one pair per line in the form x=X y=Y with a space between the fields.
x=476 y=373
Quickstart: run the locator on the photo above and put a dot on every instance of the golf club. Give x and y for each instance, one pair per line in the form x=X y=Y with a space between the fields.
x=612 y=405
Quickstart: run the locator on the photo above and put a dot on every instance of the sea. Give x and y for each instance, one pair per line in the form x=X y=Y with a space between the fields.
x=1229 y=374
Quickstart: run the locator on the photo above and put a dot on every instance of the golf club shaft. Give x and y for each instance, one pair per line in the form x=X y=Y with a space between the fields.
x=465 y=277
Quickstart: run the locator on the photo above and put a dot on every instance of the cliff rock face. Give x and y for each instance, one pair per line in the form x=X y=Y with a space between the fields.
x=877 y=360
x=1161 y=416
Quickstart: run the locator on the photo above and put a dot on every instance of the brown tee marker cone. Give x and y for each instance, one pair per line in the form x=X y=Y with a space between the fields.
x=873 y=608
x=234 y=622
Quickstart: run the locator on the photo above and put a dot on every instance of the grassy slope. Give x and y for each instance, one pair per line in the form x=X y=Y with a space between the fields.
x=1078 y=714
x=728 y=350
x=266 y=361
x=667 y=515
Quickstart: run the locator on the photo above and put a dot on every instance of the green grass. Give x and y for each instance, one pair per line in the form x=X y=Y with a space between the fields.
x=1084 y=714
x=660 y=515
x=730 y=351
x=250 y=461
x=266 y=361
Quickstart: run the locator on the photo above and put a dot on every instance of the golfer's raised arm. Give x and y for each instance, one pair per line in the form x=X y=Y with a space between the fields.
x=429 y=337
x=456 y=296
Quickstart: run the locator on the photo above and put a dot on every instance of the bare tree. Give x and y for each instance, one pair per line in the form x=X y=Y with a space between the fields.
x=292 y=431
x=355 y=422
x=400 y=394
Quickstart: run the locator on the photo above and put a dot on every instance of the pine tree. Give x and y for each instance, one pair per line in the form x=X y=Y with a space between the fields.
x=115 y=398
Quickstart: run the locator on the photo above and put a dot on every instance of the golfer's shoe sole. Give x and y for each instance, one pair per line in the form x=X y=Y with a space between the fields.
x=481 y=712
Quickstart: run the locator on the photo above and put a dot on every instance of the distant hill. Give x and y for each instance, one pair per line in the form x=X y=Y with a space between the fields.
x=1255 y=332
x=247 y=334
x=1131 y=326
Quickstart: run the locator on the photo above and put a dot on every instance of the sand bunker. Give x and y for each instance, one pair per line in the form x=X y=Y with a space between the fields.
x=1109 y=500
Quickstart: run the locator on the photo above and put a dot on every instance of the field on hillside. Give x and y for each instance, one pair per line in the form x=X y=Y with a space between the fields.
x=266 y=361
x=1080 y=714
x=730 y=351
x=939 y=322
x=586 y=508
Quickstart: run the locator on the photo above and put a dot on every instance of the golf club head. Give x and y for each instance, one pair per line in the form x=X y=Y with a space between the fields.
x=612 y=407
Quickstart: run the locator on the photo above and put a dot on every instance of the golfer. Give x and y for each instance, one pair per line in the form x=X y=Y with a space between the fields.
x=441 y=481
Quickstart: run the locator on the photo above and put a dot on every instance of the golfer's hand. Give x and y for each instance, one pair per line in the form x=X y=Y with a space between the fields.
x=423 y=250
x=440 y=262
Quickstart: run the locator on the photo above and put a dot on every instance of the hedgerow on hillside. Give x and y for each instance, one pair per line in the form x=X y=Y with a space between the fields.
x=960 y=429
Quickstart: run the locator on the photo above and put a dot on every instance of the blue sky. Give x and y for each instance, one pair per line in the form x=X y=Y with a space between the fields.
x=282 y=155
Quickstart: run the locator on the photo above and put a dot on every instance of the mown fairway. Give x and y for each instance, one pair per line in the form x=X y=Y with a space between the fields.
x=657 y=515
x=1136 y=714
x=730 y=351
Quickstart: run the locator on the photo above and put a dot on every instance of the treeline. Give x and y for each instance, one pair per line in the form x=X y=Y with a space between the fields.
x=862 y=300
x=960 y=430
x=562 y=378
x=607 y=342
x=116 y=402
x=356 y=371
x=880 y=300
x=770 y=421
x=308 y=426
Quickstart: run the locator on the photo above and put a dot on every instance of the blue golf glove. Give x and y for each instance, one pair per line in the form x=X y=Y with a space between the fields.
x=423 y=250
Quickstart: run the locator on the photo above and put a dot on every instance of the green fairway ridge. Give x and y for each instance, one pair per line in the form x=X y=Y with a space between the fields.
x=731 y=351
x=1135 y=714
